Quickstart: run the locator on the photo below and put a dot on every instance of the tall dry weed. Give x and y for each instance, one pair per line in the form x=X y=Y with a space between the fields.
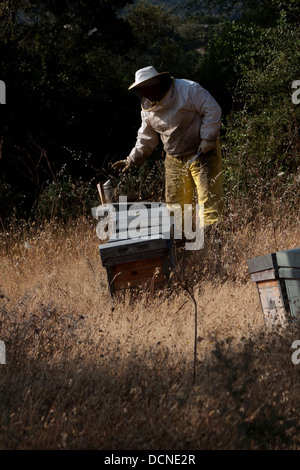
x=87 y=372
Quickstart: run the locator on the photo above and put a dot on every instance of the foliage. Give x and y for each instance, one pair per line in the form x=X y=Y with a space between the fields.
x=262 y=130
x=159 y=41
x=144 y=184
x=11 y=201
x=67 y=67
x=249 y=65
x=64 y=75
x=65 y=198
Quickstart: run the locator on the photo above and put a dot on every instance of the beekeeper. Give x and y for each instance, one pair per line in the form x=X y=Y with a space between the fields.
x=187 y=119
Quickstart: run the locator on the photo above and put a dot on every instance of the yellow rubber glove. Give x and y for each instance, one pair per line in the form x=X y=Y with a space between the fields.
x=123 y=165
x=206 y=145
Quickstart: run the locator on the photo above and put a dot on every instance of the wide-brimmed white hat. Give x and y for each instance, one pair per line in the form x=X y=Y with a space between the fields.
x=143 y=75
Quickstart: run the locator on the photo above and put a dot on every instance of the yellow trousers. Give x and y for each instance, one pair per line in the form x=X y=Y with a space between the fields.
x=203 y=178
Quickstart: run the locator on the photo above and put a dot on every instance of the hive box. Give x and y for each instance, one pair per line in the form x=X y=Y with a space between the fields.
x=277 y=276
x=141 y=248
x=134 y=262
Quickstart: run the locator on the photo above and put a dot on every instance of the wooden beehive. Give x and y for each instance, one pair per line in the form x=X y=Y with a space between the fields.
x=277 y=276
x=141 y=248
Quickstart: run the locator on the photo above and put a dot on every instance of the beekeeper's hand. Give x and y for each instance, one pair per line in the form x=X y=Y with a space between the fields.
x=124 y=165
x=206 y=145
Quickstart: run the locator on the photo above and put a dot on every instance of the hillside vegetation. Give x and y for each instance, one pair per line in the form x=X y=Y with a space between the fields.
x=69 y=113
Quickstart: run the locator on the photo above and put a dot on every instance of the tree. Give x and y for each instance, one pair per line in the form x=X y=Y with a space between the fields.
x=63 y=66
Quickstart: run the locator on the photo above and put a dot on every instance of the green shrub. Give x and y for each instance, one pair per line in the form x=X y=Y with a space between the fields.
x=65 y=197
x=144 y=184
x=261 y=142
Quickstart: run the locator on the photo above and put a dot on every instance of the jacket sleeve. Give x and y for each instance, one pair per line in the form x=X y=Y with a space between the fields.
x=209 y=110
x=147 y=140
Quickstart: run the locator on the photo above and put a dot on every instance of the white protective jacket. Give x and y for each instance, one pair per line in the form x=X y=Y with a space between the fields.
x=186 y=114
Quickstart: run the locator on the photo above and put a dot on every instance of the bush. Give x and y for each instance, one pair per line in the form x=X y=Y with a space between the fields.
x=65 y=198
x=144 y=184
x=261 y=143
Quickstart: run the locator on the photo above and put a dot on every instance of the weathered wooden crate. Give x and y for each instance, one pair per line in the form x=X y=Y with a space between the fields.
x=132 y=263
x=277 y=276
x=136 y=254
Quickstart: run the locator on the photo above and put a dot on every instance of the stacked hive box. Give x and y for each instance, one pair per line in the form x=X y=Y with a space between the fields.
x=277 y=276
x=140 y=248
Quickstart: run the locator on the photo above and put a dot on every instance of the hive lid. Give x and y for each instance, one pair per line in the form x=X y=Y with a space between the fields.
x=279 y=259
x=134 y=246
x=289 y=258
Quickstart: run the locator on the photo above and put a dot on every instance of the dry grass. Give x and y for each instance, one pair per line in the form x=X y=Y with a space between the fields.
x=85 y=373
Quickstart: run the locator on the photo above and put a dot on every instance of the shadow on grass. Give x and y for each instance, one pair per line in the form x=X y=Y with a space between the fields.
x=59 y=391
